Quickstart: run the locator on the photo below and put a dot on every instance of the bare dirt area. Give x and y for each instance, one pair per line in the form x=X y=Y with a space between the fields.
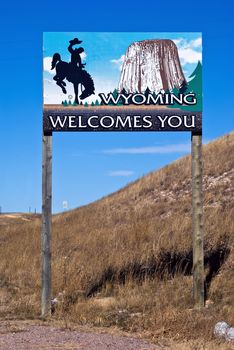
x=25 y=336
x=37 y=334
x=17 y=218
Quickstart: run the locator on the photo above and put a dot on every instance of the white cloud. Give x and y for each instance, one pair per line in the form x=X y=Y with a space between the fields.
x=197 y=42
x=184 y=43
x=118 y=61
x=83 y=56
x=189 y=55
x=49 y=81
x=174 y=148
x=47 y=65
x=123 y=173
x=53 y=94
x=179 y=41
x=189 y=50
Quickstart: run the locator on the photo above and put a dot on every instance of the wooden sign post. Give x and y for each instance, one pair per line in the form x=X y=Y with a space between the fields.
x=197 y=205
x=46 y=224
x=151 y=93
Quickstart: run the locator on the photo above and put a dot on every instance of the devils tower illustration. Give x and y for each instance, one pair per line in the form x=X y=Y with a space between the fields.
x=152 y=64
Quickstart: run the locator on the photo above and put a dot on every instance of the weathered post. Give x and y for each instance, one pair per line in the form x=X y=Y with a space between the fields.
x=46 y=225
x=197 y=203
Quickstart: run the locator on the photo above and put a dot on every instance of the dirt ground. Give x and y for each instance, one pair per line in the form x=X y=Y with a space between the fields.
x=37 y=334
x=21 y=335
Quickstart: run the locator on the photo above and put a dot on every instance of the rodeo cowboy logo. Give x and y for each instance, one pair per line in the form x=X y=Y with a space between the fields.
x=73 y=72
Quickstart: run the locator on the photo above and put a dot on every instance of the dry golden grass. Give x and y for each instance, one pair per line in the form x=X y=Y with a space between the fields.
x=130 y=253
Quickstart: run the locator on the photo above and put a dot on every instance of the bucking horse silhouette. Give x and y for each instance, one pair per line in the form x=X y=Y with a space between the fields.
x=75 y=75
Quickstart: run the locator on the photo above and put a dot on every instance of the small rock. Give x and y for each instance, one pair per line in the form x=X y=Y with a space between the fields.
x=220 y=329
x=208 y=303
x=136 y=314
x=229 y=336
x=54 y=301
x=123 y=311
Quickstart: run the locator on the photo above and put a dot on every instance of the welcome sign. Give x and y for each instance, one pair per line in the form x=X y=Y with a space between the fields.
x=122 y=82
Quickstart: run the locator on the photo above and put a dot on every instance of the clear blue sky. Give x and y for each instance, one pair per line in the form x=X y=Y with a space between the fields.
x=87 y=166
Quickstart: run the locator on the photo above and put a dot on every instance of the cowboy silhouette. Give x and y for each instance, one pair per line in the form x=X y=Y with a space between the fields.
x=75 y=53
x=73 y=72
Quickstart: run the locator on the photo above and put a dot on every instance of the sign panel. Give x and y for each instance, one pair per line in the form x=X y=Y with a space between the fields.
x=122 y=82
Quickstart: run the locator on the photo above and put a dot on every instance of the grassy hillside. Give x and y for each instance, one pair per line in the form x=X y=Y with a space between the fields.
x=126 y=260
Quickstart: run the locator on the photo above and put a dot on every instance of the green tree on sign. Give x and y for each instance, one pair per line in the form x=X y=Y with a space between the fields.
x=147 y=92
x=183 y=87
x=195 y=85
x=122 y=100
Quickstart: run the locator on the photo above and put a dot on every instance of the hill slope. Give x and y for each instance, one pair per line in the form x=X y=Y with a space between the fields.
x=126 y=259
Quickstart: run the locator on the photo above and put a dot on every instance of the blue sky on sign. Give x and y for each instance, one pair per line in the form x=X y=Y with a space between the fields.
x=88 y=166
x=104 y=55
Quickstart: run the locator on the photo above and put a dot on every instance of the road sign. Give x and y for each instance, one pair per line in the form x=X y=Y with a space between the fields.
x=148 y=82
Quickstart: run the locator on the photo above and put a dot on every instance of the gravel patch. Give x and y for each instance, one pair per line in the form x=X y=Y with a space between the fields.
x=32 y=337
